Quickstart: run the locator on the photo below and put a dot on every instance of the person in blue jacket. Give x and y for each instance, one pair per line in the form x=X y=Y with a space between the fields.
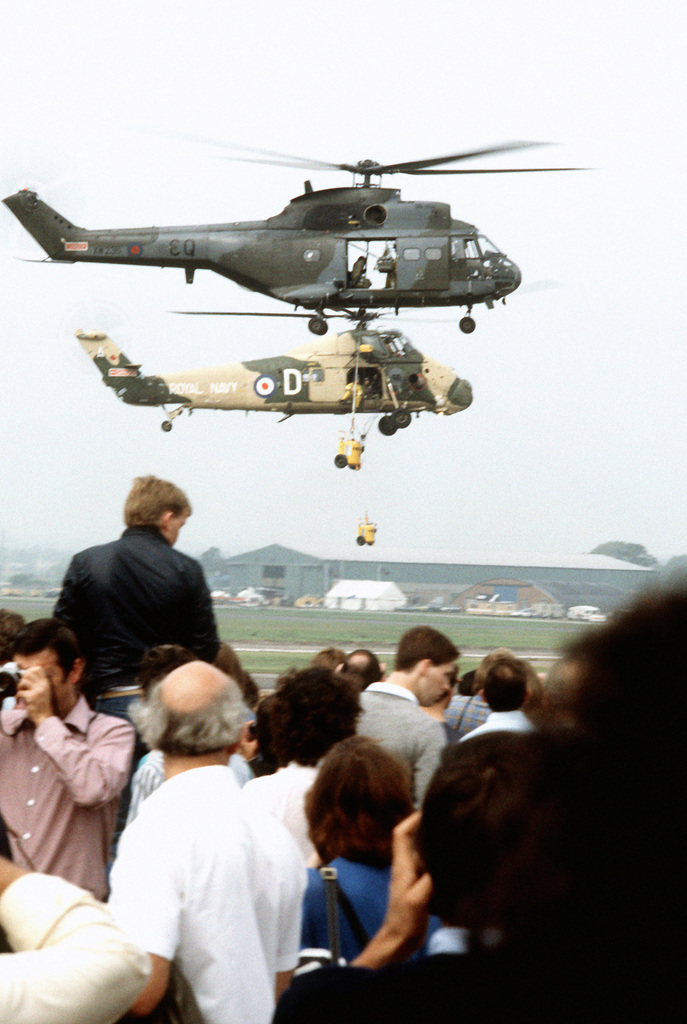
x=360 y=794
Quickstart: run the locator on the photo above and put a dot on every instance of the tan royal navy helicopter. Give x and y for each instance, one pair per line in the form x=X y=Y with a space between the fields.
x=377 y=374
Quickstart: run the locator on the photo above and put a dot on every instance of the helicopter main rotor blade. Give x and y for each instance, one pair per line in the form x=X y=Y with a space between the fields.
x=373 y=167
x=301 y=163
x=285 y=159
x=224 y=312
x=415 y=166
x=276 y=158
x=369 y=168
x=496 y=170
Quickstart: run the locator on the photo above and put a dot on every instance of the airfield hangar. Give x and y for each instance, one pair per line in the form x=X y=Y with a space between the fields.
x=451 y=580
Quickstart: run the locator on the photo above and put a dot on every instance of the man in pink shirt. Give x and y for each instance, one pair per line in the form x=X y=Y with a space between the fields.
x=62 y=766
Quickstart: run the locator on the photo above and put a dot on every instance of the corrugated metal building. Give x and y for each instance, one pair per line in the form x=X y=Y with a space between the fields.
x=441 y=577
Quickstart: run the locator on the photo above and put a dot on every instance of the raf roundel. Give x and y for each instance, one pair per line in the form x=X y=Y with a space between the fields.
x=265 y=386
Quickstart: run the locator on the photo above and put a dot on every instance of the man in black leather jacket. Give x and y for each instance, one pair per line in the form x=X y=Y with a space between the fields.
x=127 y=596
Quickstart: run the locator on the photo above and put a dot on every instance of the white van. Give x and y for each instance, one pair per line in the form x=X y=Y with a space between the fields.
x=586 y=613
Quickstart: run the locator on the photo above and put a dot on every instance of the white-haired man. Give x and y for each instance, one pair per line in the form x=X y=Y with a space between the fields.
x=203 y=879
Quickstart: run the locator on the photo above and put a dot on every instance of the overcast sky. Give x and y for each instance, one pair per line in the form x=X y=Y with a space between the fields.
x=578 y=429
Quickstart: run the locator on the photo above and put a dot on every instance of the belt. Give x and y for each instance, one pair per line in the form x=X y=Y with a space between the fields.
x=137 y=692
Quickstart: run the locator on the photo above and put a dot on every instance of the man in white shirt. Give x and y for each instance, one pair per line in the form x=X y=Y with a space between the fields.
x=505 y=691
x=201 y=878
x=425 y=672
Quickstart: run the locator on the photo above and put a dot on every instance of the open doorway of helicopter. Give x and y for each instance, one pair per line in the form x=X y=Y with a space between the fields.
x=372 y=264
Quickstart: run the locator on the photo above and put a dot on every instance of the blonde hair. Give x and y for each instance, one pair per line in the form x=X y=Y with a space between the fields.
x=150 y=498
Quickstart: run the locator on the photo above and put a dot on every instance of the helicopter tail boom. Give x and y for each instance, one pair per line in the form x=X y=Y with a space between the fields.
x=53 y=232
x=123 y=376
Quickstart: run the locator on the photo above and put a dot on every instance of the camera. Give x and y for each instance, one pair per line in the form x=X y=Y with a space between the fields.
x=10 y=674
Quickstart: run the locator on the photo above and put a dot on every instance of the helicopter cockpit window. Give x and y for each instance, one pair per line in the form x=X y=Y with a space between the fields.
x=457 y=249
x=488 y=248
x=312 y=255
x=393 y=343
x=411 y=254
x=471 y=250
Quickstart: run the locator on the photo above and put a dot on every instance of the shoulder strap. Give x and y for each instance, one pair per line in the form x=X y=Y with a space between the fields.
x=335 y=897
x=361 y=936
x=331 y=896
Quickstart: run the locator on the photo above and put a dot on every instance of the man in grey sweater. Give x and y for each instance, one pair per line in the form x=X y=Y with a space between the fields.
x=425 y=672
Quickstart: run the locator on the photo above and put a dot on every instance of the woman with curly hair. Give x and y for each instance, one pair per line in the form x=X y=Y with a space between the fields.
x=309 y=711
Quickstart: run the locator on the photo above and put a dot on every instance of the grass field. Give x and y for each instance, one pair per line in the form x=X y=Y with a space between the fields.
x=274 y=629
x=379 y=631
x=358 y=629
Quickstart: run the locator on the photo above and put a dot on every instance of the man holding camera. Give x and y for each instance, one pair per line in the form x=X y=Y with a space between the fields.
x=62 y=766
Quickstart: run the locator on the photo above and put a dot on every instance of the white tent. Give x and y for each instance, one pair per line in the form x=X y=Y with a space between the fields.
x=365 y=595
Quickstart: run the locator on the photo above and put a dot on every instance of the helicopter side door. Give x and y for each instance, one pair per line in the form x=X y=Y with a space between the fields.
x=422 y=264
x=307 y=260
x=326 y=383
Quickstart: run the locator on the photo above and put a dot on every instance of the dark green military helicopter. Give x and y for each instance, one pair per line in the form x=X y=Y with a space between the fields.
x=349 y=250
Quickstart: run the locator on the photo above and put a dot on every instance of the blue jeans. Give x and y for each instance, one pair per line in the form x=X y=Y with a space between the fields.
x=118 y=707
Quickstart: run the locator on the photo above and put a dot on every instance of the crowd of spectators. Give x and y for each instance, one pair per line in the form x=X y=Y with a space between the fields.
x=509 y=849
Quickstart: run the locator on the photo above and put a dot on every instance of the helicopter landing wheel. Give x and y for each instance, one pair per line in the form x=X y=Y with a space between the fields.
x=166 y=426
x=317 y=325
x=387 y=426
x=360 y=540
x=467 y=325
x=401 y=418
x=340 y=461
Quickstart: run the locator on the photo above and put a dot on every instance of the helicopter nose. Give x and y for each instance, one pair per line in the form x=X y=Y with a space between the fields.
x=508 y=277
x=517 y=276
x=460 y=394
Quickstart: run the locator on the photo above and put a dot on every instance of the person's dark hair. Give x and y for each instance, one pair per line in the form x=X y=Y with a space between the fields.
x=227 y=661
x=492 y=832
x=309 y=711
x=366 y=666
x=49 y=634
x=265 y=763
x=424 y=642
x=329 y=657
x=486 y=663
x=361 y=793
x=631 y=820
x=611 y=665
x=505 y=684
x=158 y=662
x=11 y=623
x=466 y=683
